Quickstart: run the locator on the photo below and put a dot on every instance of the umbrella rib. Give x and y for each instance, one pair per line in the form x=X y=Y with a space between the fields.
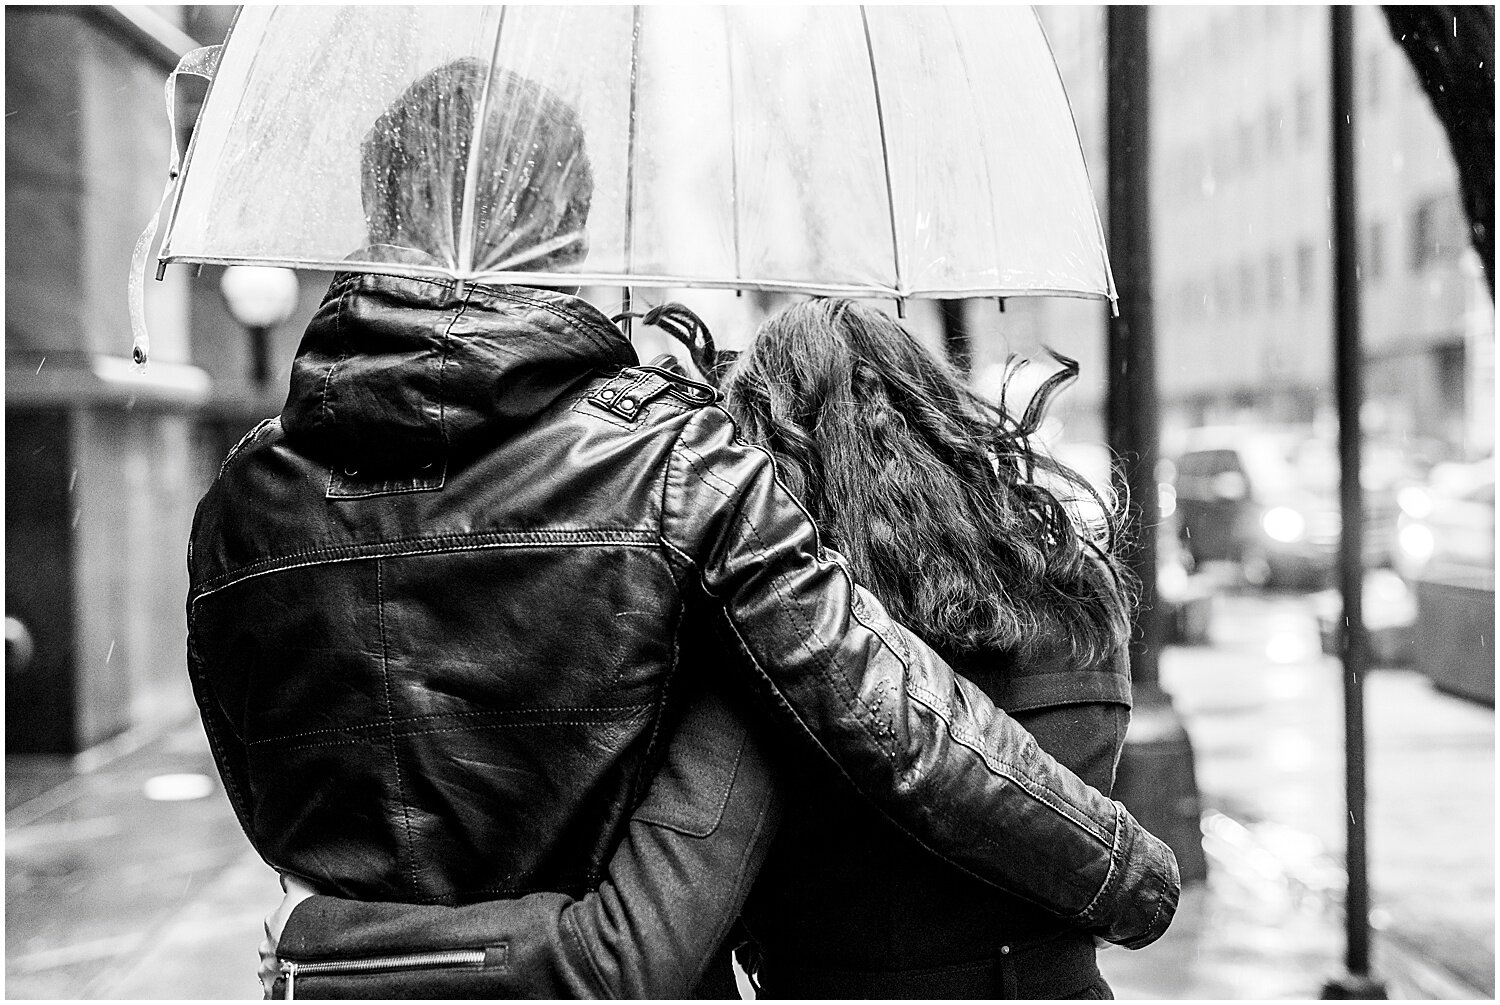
x=885 y=154
x=630 y=138
x=984 y=149
x=734 y=159
x=476 y=147
x=187 y=156
x=1109 y=275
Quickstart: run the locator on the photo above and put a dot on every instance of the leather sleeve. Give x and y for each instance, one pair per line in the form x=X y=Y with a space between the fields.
x=673 y=890
x=926 y=745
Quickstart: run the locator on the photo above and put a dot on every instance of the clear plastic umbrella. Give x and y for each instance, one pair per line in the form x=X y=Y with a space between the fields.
x=883 y=151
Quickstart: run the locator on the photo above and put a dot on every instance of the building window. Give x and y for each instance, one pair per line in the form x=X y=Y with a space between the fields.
x=1218 y=35
x=1372 y=254
x=1437 y=231
x=1223 y=292
x=1221 y=156
x=1306 y=274
x=1273 y=130
x=1304 y=102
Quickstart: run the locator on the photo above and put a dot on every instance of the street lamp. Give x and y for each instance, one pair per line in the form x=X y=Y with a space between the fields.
x=259 y=298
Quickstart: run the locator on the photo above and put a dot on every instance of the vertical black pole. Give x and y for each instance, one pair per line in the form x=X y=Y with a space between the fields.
x=1350 y=395
x=260 y=355
x=1156 y=777
x=956 y=334
x=1130 y=398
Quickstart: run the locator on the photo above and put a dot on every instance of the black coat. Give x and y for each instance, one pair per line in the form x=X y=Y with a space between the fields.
x=848 y=906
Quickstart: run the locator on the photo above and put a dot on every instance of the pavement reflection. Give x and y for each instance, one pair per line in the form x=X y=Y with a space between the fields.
x=111 y=894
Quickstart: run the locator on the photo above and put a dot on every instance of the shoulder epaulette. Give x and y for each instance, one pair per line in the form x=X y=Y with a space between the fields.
x=630 y=390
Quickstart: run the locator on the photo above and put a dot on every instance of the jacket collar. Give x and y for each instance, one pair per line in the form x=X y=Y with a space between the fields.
x=396 y=373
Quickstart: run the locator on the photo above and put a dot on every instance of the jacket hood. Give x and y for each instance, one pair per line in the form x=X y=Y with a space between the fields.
x=396 y=373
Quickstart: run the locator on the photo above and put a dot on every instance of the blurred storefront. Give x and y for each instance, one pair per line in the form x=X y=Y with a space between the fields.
x=104 y=465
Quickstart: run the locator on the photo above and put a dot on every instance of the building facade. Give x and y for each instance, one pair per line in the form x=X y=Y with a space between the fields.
x=1240 y=155
x=104 y=465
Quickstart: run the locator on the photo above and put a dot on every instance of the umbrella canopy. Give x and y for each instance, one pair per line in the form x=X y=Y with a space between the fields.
x=902 y=151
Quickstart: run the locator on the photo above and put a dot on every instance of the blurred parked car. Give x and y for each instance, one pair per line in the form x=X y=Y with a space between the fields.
x=1267 y=499
x=1186 y=601
x=1449 y=520
x=1447 y=554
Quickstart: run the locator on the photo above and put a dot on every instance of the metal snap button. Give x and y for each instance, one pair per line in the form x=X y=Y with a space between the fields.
x=351 y=472
x=627 y=402
x=606 y=394
x=1004 y=950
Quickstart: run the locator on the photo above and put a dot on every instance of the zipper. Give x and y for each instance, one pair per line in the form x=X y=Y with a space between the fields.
x=290 y=969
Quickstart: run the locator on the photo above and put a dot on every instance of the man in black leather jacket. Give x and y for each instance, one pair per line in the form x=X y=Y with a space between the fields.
x=444 y=607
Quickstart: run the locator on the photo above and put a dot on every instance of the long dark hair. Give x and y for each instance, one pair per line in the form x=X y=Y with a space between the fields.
x=933 y=495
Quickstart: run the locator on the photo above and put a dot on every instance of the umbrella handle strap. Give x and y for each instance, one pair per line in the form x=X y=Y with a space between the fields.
x=199 y=63
x=680 y=322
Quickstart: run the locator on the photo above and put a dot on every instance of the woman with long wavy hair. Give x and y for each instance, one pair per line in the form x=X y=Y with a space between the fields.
x=940 y=506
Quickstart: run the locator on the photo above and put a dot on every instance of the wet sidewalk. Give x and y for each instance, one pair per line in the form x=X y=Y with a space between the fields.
x=113 y=894
x=1263 y=707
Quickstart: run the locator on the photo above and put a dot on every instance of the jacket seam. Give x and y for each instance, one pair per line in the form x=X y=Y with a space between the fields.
x=639 y=785
x=596 y=538
x=804 y=630
x=216 y=742
x=588 y=332
x=775 y=476
x=588 y=954
x=404 y=734
x=742 y=876
x=443 y=369
x=965 y=739
x=1115 y=853
x=338 y=323
x=385 y=675
x=239 y=447
x=850 y=697
x=541 y=714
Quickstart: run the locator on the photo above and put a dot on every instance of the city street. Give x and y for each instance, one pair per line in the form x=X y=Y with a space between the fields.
x=1230 y=262
x=111 y=894
x=1264 y=709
